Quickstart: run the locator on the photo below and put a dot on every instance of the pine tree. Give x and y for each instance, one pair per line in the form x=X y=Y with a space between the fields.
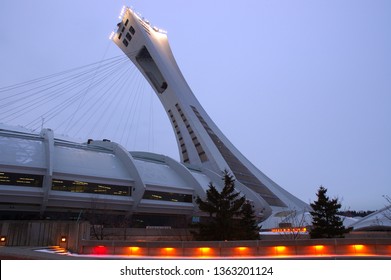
x=249 y=229
x=230 y=218
x=325 y=221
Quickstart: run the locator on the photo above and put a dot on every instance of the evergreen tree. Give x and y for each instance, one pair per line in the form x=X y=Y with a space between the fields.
x=325 y=221
x=249 y=229
x=230 y=218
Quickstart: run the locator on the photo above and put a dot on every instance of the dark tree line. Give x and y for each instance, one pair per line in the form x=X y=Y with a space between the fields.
x=231 y=216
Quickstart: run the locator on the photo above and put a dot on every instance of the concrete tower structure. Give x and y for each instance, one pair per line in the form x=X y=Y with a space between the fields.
x=199 y=140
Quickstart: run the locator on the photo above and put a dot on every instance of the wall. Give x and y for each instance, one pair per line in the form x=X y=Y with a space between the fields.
x=259 y=248
x=44 y=233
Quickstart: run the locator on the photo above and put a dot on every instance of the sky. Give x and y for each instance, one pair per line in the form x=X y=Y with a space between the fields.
x=302 y=88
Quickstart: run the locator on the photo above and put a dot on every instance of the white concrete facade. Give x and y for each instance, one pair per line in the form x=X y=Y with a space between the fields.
x=40 y=173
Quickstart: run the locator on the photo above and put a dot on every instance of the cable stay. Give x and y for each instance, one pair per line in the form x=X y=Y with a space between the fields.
x=104 y=99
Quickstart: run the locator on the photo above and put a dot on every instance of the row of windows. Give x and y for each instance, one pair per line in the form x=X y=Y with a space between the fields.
x=197 y=144
x=23 y=180
x=131 y=28
x=128 y=36
x=29 y=180
x=241 y=172
x=180 y=138
x=166 y=196
x=88 y=187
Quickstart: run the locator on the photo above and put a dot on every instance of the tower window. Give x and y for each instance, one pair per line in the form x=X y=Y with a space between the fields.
x=128 y=36
x=152 y=71
x=126 y=43
x=131 y=29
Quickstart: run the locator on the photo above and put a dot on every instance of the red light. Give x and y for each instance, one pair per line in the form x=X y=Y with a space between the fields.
x=100 y=250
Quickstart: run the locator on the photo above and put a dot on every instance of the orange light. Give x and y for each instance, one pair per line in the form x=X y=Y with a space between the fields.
x=204 y=251
x=2 y=239
x=168 y=251
x=134 y=250
x=318 y=249
x=358 y=248
x=280 y=249
x=241 y=249
x=63 y=239
x=293 y=229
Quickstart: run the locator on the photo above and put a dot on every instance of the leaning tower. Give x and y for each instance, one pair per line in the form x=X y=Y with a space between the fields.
x=200 y=141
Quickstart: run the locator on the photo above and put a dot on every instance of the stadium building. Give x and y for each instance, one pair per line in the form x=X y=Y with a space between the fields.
x=42 y=175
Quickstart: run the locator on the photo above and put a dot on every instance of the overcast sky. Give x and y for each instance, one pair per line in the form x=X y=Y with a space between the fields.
x=302 y=88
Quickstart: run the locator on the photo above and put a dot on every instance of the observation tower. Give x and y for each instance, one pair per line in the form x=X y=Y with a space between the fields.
x=200 y=142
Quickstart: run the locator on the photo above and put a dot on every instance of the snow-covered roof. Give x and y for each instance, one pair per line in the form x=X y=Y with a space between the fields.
x=298 y=219
x=380 y=219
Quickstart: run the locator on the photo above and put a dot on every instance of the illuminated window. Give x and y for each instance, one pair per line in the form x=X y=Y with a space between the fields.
x=88 y=187
x=22 y=180
x=166 y=196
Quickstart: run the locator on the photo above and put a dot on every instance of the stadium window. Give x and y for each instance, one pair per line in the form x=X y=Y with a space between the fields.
x=88 y=187
x=21 y=180
x=167 y=196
